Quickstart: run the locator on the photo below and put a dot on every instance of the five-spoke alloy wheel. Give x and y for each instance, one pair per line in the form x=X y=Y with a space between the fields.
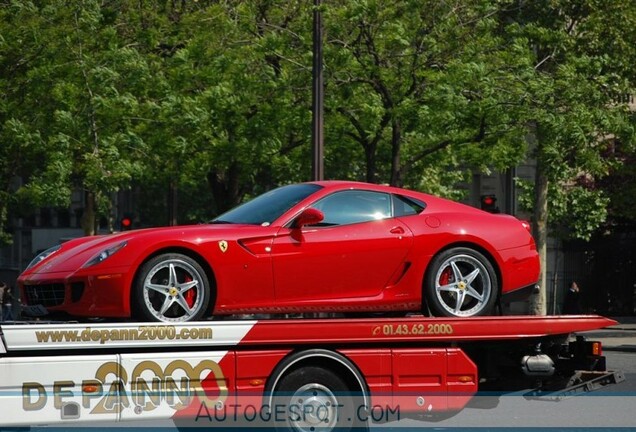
x=461 y=283
x=171 y=288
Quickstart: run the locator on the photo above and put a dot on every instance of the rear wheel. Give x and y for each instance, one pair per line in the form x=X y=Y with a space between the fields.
x=171 y=288
x=461 y=282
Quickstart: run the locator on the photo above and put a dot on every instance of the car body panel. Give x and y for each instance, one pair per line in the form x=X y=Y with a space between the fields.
x=360 y=261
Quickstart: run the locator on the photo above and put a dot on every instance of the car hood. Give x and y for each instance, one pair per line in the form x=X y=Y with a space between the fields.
x=74 y=253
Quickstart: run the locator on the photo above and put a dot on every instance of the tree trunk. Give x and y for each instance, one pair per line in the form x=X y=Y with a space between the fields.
x=369 y=153
x=396 y=143
x=226 y=188
x=540 y=231
x=172 y=203
x=88 y=217
x=5 y=238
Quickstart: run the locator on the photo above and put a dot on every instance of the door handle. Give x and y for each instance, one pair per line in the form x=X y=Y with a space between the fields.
x=397 y=230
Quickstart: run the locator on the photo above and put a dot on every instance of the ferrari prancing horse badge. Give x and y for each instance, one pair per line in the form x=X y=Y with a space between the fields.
x=223 y=246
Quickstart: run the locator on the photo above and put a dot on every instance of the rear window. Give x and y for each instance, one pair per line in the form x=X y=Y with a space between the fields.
x=405 y=206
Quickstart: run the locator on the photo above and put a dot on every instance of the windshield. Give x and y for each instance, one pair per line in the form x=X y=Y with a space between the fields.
x=266 y=208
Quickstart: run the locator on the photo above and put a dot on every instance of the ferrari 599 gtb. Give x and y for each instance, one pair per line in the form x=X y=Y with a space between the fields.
x=331 y=246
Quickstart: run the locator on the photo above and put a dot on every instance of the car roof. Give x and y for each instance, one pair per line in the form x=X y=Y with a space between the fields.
x=343 y=184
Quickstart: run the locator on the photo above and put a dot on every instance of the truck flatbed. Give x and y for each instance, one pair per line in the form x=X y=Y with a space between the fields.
x=295 y=332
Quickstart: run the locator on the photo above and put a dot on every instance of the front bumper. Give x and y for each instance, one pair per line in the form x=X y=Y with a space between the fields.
x=103 y=295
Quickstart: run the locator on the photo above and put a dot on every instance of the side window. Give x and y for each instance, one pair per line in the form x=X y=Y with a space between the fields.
x=349 y=207
x=403 y=206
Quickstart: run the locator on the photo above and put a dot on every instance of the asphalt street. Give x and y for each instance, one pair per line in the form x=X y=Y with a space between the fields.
x=621 y=337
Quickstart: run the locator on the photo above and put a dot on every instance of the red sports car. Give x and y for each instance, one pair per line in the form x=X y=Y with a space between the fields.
x=332 y=246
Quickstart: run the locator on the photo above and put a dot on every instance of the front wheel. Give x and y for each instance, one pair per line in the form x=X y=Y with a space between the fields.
x=461 y=282
x=171 y=288
x=314 y=399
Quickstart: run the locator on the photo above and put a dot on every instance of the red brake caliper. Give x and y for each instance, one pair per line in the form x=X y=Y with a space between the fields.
x=445 y=277
x=191 y=295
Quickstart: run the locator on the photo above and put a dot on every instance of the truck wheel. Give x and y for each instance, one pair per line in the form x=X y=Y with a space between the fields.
x=314 y=399
x=171 y=288
x=461 y=282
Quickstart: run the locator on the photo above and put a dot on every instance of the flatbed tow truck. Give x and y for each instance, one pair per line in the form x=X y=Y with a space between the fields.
x=295 y=374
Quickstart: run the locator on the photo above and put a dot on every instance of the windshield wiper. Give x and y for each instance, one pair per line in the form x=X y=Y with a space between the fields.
x=219 y=222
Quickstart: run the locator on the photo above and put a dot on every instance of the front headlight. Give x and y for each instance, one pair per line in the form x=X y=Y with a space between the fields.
x=43 y=255
x=105 y=254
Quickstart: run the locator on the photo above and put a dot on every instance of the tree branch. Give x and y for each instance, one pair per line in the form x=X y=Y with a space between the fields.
x=478 y=137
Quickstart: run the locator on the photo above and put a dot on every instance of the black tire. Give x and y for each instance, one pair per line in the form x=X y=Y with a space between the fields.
x=171 y=288
x=314 y=399
x=461 y=282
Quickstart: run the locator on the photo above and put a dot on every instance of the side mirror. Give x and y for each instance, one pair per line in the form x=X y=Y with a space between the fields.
x=309 y=216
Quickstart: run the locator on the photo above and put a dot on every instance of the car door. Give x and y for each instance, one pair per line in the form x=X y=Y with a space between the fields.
x=353 y=252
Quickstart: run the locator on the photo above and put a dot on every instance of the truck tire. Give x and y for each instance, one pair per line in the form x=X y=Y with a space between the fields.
x=171 y=288
x=461 y=282
x=314 y=399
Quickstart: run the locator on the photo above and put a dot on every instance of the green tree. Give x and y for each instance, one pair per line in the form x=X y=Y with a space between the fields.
x=230 y=105
x=428 y=90
x=77 y=98
x=27 y=158
x=584 y=54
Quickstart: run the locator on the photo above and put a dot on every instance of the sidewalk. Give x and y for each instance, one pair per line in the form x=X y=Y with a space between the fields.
x=621 y=337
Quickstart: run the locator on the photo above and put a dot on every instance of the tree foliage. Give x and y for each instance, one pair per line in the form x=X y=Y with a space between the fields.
x=425 y=89
x=574 y=106
x=212 y=99
x=77 y=96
